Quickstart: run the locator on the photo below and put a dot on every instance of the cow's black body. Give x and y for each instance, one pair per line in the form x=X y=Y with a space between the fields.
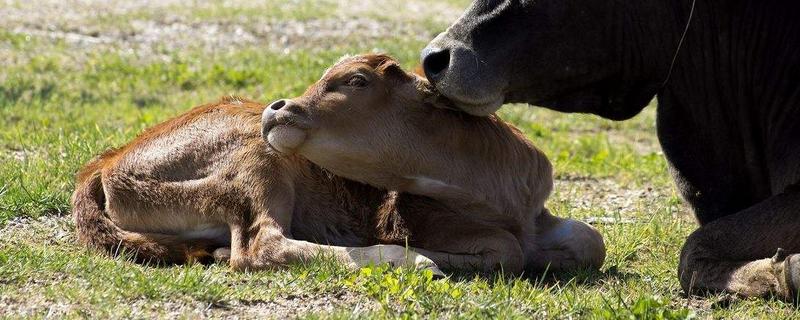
x=728 y=118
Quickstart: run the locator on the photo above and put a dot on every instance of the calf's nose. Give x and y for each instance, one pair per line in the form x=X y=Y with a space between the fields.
x=273 y=108
x=435 y=62
x=268 y=116
x=282 y=108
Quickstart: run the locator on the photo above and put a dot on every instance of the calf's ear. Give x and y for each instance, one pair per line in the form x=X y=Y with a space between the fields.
x=431 y=96
x=419 y=71
x=391 y=70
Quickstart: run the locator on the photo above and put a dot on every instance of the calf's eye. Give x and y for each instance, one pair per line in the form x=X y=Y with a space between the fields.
x=358 y=81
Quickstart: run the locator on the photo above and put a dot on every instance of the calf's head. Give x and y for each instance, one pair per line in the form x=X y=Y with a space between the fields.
x=364 y=111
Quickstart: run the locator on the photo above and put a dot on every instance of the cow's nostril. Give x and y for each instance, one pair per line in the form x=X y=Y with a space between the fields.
x=277 y=105
x=435 y=62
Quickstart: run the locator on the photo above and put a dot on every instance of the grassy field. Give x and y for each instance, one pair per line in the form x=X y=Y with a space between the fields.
x=79 y=77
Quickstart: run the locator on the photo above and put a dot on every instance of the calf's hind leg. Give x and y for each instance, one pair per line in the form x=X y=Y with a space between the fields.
x=473 y=247
x=737 y=253
x=494 y=253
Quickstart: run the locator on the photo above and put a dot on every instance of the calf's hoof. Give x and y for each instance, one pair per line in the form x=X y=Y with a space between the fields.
x=395 y=256
x=222 y=255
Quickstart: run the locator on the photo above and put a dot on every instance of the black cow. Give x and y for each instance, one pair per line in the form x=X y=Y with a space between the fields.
x=727 y=77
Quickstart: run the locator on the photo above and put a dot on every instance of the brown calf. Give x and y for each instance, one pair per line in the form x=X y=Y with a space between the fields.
x=195 y=185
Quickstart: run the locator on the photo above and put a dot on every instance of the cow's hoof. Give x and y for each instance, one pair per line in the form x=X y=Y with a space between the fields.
x=791 y=271
x=791 y=274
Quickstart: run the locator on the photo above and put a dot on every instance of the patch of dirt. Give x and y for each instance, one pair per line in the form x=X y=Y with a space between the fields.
x=295 y=306
x=148 y=27
x=48 y=229
x=59 y=231
x=14 y=153
x=279 y=308
x=618 y=203
x=34 y=304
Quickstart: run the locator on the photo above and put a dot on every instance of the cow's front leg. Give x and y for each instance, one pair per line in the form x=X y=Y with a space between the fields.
x=737 y=253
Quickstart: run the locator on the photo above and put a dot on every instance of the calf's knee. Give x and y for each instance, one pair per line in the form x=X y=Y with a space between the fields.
x=591 y=248
x=564 y=244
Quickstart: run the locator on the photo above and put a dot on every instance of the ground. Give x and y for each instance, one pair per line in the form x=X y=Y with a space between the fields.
x=79 y=77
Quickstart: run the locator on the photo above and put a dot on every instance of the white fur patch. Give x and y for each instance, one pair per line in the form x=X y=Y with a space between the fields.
x=220 y=233
x=441 y=190
x=432 y=187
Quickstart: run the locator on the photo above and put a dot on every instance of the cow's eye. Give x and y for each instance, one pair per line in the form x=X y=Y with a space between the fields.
x=357 y=80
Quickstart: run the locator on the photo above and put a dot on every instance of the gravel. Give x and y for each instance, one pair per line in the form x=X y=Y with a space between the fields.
x=58 y=231
x=610 y=202
x=169 y=25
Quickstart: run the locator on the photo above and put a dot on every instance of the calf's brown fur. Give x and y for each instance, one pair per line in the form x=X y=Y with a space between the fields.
x=468 y=192
x=206 y=180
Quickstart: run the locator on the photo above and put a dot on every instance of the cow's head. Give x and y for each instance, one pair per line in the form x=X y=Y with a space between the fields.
x=567 y=55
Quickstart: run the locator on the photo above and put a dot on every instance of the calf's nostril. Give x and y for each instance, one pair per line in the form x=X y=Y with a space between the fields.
x=277 y=105
x=435 y=63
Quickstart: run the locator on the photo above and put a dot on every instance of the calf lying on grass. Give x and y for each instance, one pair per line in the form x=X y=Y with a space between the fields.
x=468 y=192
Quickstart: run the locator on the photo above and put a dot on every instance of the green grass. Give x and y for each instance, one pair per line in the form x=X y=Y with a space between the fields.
x=61 y=103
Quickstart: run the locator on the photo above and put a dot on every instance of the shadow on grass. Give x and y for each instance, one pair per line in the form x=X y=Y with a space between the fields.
x=546 y=278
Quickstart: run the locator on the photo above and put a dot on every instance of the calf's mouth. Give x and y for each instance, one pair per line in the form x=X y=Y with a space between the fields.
x=282 y=128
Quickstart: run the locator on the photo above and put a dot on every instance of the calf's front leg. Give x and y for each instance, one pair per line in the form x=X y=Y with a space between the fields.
x=265 y=245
